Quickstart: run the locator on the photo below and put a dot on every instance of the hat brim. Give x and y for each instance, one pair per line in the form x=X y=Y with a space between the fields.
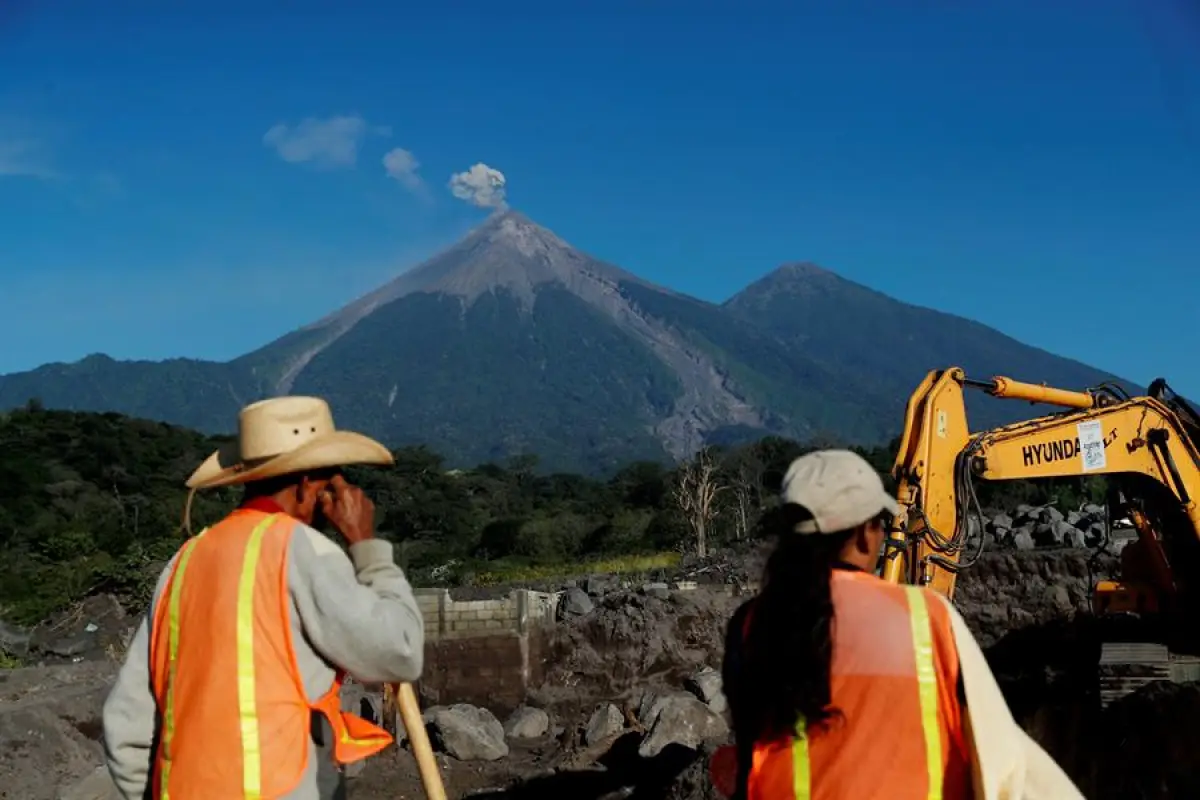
x=336 y=449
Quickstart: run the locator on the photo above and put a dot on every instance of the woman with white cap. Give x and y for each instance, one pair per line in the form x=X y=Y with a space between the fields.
x=842 y=685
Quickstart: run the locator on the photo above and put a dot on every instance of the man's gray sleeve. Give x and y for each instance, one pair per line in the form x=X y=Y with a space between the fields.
x=358 y=612
x=130 y=713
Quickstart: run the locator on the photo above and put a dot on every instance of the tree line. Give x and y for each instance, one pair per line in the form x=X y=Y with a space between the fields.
x=93 y=503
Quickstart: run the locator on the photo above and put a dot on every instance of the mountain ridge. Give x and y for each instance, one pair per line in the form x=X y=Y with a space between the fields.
x=514 y=341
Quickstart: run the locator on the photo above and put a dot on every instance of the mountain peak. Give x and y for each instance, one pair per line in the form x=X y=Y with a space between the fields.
x=507 y=251
x=800 y=269
x=792 y=279
x=512 y=229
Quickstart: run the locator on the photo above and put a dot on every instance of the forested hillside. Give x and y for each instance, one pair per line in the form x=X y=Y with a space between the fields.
x=93 y=502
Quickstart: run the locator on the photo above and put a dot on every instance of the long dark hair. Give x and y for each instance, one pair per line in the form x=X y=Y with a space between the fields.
x=789 y=647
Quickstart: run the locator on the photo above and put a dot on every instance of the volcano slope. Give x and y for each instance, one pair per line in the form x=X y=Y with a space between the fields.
x=512 y=341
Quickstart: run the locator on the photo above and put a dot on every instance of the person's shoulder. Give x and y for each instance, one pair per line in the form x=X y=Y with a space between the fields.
x=321 y=544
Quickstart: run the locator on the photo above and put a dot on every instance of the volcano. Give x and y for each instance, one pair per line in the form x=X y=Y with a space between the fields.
x=512 y=341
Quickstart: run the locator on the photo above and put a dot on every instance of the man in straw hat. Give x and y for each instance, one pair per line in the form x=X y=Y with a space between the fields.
x=231 y=685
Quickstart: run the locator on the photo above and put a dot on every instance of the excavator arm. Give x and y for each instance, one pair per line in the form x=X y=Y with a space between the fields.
x=1147 y=443
x=1101 y=433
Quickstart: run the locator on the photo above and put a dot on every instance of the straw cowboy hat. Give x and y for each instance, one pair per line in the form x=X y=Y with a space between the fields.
x=283 y=435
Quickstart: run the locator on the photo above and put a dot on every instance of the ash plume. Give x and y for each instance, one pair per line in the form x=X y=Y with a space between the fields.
x=481 y=186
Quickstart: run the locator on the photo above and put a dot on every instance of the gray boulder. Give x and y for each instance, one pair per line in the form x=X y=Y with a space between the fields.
x=683 y=720
x=467 y=732
x=605 y=721
x=575 y=603
x=706 y=685
x=527 y=723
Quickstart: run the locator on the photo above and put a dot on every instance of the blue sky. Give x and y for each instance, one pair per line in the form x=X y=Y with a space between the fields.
x=1034 y=165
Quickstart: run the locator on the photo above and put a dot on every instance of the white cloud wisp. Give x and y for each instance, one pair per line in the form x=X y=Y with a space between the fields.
x=21 y=158
x=401 y=165
x=330 y=143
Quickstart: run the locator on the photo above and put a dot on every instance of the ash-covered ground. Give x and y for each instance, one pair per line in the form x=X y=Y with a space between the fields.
x=631 y=704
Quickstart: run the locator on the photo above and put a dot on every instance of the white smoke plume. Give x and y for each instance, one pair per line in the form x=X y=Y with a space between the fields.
x=481 y=186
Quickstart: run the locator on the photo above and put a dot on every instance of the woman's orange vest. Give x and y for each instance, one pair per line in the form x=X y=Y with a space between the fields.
x=235 y=718
x=894 y=679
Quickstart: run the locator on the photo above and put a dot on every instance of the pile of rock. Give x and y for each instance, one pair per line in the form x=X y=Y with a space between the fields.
x=1046 y=527
x=689 y=717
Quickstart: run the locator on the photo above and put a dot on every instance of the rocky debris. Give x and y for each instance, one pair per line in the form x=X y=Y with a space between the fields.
x=96 y=786
x=706 y=685
x=684 y=720
x=629 y=642
x=95 y=629
x=606 y=720
x=527 y=722
x=50 y=728
x=467 y=732
x=653 y=702
x=657 y=589
x=1009 y=591
x=626 y=645
x=575 y=602
x=599 y=585
x=14 y=640
x=1047 y=527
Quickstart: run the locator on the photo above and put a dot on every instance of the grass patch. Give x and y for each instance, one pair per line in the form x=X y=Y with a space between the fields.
x=499 y=573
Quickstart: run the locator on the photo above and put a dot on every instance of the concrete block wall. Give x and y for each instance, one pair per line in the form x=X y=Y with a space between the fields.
x=484 y=652
x=521 y=610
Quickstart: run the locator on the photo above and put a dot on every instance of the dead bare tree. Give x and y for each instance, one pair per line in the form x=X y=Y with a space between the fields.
x=742 y=472
x=743 y=499
x=695 y=490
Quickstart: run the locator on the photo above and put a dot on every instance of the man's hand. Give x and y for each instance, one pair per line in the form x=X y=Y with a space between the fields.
x=348 y=510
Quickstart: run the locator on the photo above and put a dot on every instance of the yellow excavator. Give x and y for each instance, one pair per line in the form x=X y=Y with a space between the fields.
x=1148 y=449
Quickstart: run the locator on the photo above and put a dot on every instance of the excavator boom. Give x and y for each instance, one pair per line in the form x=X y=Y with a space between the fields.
x=1144 y=443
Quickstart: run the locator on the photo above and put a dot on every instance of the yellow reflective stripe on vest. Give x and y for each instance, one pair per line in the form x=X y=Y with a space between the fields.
x=172 y=650
x=247 y=692
x=801 y=774
x=922 y=633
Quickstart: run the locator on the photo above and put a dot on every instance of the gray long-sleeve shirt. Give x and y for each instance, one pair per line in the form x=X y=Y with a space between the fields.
x=355 y=612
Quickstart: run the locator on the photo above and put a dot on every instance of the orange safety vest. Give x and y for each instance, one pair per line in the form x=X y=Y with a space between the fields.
x=894 y=678
x=234 y=713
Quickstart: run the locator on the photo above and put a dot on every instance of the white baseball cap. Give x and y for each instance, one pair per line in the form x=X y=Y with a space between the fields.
x=839 y=488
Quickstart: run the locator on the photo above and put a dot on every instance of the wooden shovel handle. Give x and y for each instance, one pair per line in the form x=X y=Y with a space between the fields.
x=418 y=737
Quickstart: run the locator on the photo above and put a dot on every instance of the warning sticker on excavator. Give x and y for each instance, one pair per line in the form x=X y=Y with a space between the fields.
x=1091 y=445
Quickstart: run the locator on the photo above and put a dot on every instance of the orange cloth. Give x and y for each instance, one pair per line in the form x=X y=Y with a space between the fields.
x=877 y=749
x=235 y=718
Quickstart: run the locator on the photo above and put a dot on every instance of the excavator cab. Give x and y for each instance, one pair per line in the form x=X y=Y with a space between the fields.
x=1146 y=447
